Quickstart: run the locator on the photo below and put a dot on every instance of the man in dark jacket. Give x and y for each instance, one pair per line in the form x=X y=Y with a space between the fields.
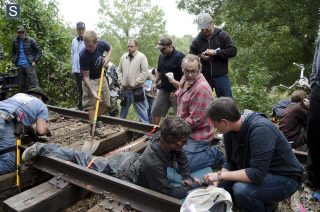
x=148 y=170
x=169 y=63
x=294 y=118
x=314 y=121
x=26 y=54
x=214 y=46
x=260 y=167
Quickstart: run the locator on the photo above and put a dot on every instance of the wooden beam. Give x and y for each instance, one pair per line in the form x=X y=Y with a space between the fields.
x=29 y=177
x=45 y=197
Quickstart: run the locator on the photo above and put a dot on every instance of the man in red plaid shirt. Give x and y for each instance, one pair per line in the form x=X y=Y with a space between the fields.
x=193 y=97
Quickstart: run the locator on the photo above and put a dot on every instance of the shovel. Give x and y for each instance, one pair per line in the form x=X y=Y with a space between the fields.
x=91 y=146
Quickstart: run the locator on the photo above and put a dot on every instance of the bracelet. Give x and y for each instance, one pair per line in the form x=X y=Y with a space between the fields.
x=219 y=176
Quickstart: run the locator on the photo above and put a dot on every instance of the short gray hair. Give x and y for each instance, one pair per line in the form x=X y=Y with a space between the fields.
x=191 y=58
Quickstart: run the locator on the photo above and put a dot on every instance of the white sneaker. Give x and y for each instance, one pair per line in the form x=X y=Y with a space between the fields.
x=31 y=152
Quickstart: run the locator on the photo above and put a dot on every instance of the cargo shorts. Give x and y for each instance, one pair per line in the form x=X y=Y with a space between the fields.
x=88 y=101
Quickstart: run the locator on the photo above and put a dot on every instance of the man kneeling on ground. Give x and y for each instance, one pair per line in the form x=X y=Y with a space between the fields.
x=260 y=167
x=148 y=170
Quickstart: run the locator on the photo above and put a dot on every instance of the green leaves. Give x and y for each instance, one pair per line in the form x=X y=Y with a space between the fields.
x=270 y=36
x=44 y=25
x=124 y=19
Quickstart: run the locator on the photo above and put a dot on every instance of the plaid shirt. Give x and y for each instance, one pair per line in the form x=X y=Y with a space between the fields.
x=192 y=104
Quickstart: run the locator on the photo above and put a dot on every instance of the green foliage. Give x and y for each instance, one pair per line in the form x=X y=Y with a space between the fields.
x=182 y=44
x=270 y=36
x=254 y=95
x=124 y=19
x=44 y=25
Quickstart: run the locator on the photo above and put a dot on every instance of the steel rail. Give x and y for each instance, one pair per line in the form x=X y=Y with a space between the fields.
x=140 y=198
x=132 y=125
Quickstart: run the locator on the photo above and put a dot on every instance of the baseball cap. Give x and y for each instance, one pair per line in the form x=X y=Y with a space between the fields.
x=203 y=20
x=163 y=42
x=80 y=25
x=20 y=28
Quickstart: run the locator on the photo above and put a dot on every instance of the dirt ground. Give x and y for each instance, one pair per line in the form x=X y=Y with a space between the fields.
x=306 y=201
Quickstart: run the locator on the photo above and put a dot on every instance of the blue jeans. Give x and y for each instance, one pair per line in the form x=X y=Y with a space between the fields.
x=253 y=197
x=7 y=139
x=201 y=155
x=141 y=108
x=222 y=86
x=107 y=165
x=150 y=103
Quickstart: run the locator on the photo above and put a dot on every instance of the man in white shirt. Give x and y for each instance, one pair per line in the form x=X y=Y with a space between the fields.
x=76 y=46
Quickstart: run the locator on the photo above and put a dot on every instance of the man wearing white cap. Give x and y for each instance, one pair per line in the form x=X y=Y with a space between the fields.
x=214 y=46
x=76 y=47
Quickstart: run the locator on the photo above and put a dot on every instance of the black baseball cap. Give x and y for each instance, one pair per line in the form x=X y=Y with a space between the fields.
x=80 y=24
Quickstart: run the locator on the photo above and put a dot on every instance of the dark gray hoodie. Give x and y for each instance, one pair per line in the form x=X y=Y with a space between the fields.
x=260 y=148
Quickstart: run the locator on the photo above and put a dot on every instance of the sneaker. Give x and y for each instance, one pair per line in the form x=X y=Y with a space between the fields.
x=31 y=152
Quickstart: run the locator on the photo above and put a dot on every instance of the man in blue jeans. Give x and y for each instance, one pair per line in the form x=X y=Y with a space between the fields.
x=30 y=108
x=214 y=46
x=133 y=71
x=260 y=167
x=26 y=53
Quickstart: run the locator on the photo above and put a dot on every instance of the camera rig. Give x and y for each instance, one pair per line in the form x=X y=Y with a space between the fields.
x=8 y=81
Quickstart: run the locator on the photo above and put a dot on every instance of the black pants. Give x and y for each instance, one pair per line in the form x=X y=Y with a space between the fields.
x=27 y=77
x=78 y=78
x=313 y=140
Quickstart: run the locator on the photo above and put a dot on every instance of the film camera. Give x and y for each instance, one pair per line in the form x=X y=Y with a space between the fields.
x=8 y=80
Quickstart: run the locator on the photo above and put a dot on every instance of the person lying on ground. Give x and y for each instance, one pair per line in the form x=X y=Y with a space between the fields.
x=148 y=170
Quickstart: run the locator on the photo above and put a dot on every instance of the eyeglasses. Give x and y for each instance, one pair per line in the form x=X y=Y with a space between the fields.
x=193 y=72
x=21 y=32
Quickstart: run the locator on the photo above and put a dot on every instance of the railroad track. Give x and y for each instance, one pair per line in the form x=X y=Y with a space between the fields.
x=72 y=182
x=70 y=128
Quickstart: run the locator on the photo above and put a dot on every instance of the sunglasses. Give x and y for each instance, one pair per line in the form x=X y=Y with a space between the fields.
x=21 y=32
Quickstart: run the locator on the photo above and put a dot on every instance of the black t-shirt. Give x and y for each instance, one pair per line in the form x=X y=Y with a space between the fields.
x=170 y=63
x=93 y=61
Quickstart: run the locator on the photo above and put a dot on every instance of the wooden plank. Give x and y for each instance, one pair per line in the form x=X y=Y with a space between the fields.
x=112 y=142
x=29 y=177
x=45 y=197
x=135 y=146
